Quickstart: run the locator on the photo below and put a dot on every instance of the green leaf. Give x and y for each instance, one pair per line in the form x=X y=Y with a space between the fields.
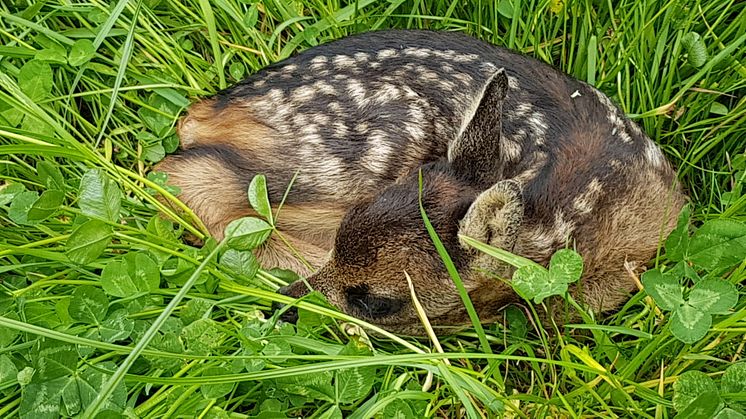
x=734 y=379
x=35 y=80
x=259 y=199
x=9 y=191
x=81 y=52
x=236 y=71
x=201 y=336
x=713 y=296
x=116 y=326
x=53 y=360
x=718 y=244
x=89 y=304
x=505 y=8
x=728 y=413
x=8 y=370
x=566 y=266
x=689 y=386
x=242 y=262
x=689 y=324
x=100 y=197
x=529 y=281
x=247 y=233
x=52 y=55
x=21 y=205
x=718 y=108
x=47 y=204
x=214 y=391
x=695 y=48
x=50 y=175
x=41 y=400
x=135 y=273
x=195 y=309
x=398 y=409
x=678 y=241
x=88 y=241
x=703 y=407
x=333 y=412
x=354 y=383
x=665 y=289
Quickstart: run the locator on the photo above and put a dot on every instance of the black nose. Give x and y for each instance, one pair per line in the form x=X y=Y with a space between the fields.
x=290 y=315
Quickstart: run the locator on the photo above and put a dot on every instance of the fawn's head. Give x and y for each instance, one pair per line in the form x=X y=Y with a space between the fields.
x=382 y=241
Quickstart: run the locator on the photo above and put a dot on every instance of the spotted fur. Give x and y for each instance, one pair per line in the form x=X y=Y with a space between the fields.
x=358 y=118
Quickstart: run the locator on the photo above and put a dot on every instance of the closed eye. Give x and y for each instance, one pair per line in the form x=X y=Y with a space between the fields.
x=369 y=305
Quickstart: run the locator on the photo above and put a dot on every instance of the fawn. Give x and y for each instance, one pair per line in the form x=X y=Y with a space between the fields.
x=512 y=152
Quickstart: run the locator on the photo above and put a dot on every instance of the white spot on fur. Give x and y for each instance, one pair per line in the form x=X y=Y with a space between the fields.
x=510 y=150
x=378 y=154
x=356 y=90
x=325 y=88
x=575 y=94
x=513 y=82
x=343 y=61
x=417 y=52
x=562 y=227
x=463 y=78
x=386 y=53
x=653 y=153
x=585 y=202
x=259 y=83
x=335 y=107
x=303 y=94
x=362 y=56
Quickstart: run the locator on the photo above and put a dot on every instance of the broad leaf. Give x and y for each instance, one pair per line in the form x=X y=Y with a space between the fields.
x=566 y=266
x=705 y=406
x=35 y=80
x=89 y=305
x=47 y=204
x=100 y=196
x=81 y=52
x=718 y=244
x=88 y=241
x=50 y=175
x=678 y=241
x=259 y=199
x=41 y=400
x=665 y=289
x=9 y=191
x=689 y=386
x=247 y=233
x=21 y=205
x=713 y=296
x=690 y=324
x=734 y=379
x=214 y=391
x=728 y=413
x=116 y=326
x=242 y=262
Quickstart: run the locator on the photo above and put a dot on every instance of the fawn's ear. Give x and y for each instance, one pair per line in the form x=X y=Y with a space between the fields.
x=475 y=154
x=495 y=216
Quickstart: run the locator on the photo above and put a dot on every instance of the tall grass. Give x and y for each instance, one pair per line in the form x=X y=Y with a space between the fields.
x=99 y=85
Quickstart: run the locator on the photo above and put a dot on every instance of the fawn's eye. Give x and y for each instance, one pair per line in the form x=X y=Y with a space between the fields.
x=369 y=305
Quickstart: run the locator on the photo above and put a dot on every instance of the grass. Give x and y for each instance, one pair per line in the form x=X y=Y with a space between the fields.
x=91 y=85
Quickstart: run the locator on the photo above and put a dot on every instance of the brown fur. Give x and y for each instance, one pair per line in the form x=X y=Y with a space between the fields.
x=543 y=163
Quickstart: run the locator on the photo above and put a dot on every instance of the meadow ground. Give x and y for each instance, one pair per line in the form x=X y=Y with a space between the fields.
x=104 y=308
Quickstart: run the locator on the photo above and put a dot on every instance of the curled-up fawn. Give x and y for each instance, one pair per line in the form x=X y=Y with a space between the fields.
x=512 y=152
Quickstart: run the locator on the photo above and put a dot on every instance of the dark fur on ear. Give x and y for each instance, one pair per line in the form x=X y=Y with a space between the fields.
x=475 y=154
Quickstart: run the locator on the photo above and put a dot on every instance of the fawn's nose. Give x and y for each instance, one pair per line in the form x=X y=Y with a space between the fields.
x=290 y=315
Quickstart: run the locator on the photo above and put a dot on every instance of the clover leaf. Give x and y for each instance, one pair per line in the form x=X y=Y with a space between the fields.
x=695 y=394
x=534 y=282
x=691 y=318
